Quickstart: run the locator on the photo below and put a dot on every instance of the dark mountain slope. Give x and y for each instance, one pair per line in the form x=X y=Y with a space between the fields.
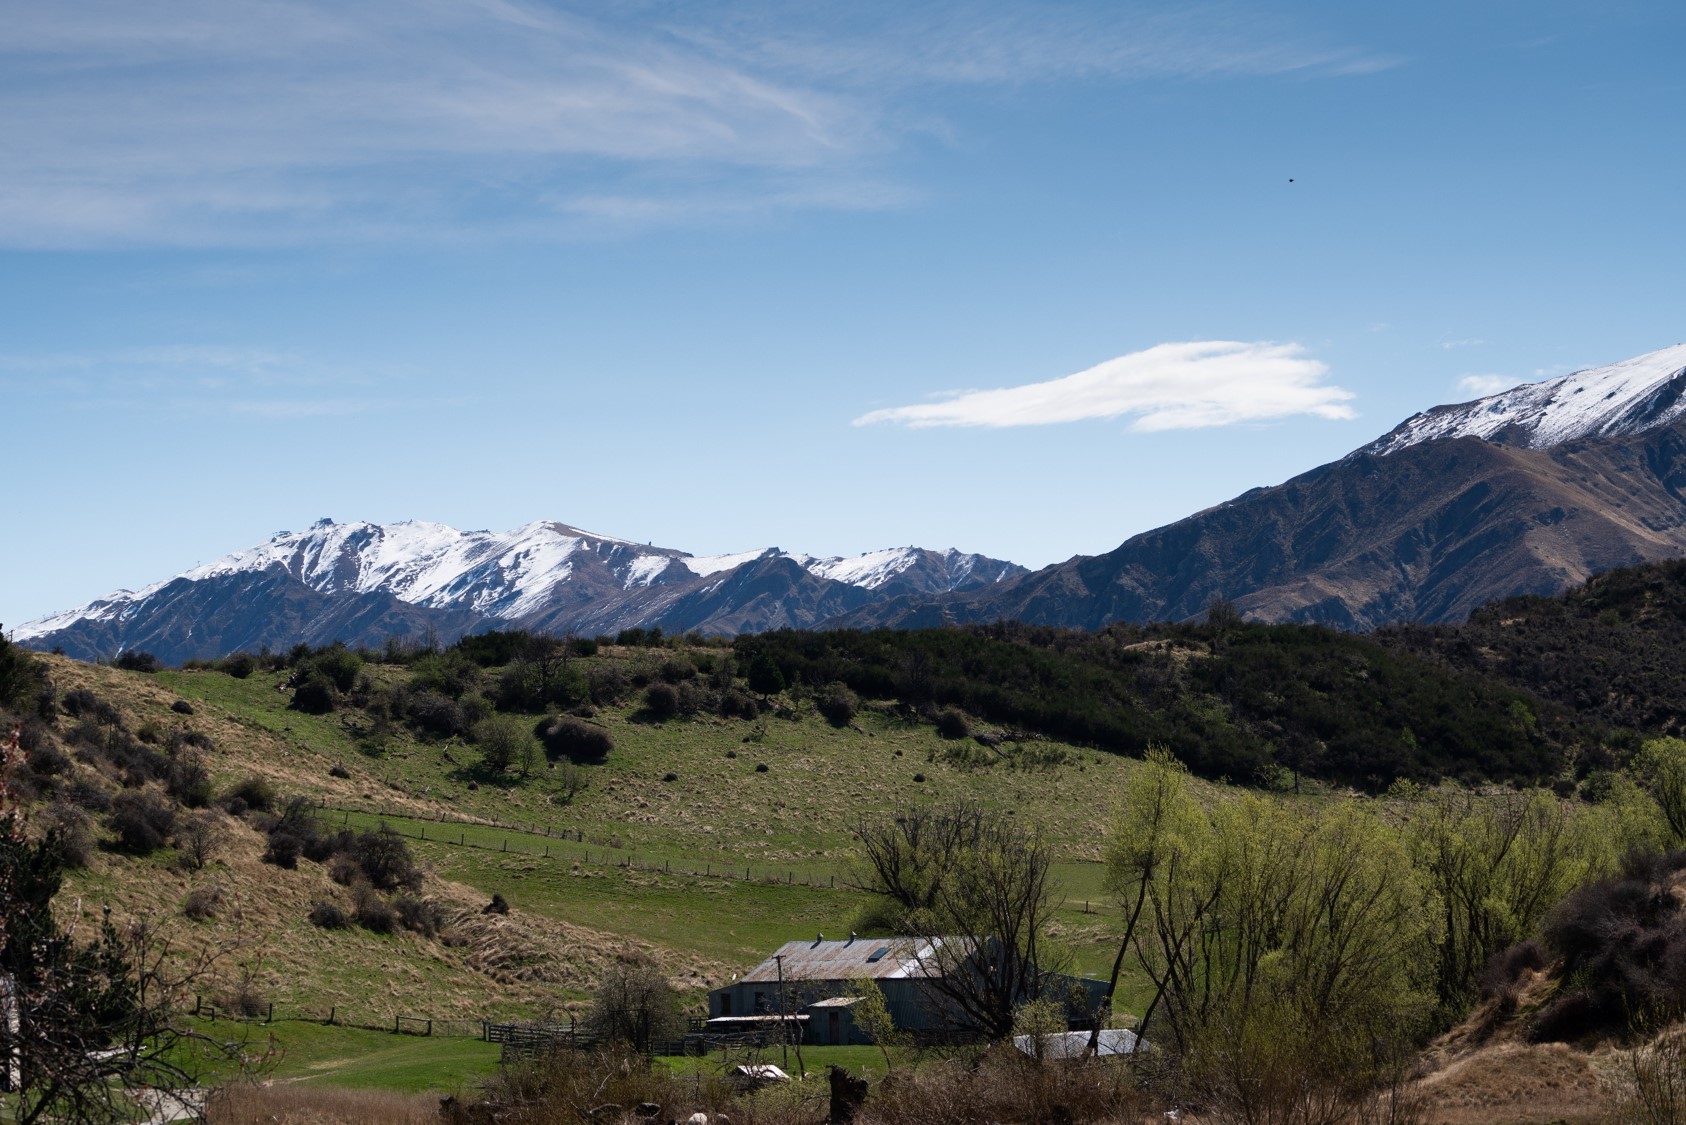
x=202 y=619
x=1427 y=533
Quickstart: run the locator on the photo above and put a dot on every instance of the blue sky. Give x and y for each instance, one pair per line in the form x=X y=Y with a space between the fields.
x=1018 y=278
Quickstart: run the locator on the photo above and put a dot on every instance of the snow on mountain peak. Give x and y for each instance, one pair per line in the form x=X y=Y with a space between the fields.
x=509 y=576
x=1629 y=397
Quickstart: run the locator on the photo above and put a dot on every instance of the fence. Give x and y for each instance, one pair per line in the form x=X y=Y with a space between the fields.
x=334 y=1016
x=519 y=840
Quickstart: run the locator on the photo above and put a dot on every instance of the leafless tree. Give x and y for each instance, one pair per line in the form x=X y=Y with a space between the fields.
x=975 y=891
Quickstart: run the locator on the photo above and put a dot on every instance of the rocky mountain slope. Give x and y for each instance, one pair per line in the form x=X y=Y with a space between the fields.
x=363 y=583
x=1525 y=492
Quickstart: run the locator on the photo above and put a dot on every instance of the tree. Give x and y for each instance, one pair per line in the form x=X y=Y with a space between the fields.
x=975 y=889
x=1661 y=767
x=1150 y=836
x=634 y=1003
x=81 y=1025
x=764 y=676
x=504 y=741
x=871 y=1013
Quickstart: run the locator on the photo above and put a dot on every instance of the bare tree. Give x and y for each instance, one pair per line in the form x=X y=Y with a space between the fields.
x=975 y=889
x=82 y=1025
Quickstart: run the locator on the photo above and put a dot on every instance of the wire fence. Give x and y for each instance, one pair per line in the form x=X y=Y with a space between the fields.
x=334 y=1015
x=571 y=845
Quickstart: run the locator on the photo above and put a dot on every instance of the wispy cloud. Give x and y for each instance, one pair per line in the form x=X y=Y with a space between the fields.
x=1167 y=387
x=214 y=122
x=1480 y=386
x=197 y=379
x=1453 y=345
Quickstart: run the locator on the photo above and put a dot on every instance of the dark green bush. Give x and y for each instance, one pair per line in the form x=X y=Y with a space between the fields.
x=952 y=723
x=238 y=664
x=133 y=661
x=564 y=736
x=661 y=700
x=315 y=696
x=436 y=714
x=837 y=704
x=764 y=676
x=329 y=916
x=141 y=821
x=254 y=793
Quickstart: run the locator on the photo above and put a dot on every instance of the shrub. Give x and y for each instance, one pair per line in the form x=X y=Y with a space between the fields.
x=739 y=704
x=837 y=704
x=504 y=741
x=73 y=831
x=132 y=661
x=952 y=723
x=254 y=793
x=184 y=738
x=432 y=713
x=238 y=664
x=450 y=673
x=373 y=913
x=607 y=684
x=418 y=915
x=47 y=760
x=202 y=902
x=182 y=707
x=339 y=771
x=760 y=767
x=764 y=675
x=1623 y=950
x=662 y=700
x=88 y=795
x=198 y=838
x=141 y=821
x=386 y=860
x=283 y=851
x=329 y=916
x=583 y=646
x=189 y=782
x=567 y=737
x=79 y=702
x=314 y=696
x=338 y=665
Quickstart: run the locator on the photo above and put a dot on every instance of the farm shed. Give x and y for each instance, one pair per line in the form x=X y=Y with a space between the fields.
x=816 y=979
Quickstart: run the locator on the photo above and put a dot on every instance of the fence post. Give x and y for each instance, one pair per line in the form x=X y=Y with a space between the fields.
x=395 y=1025
x=333 y=1010
x=430 y=1027
x=506 y=845
x=271 y=1017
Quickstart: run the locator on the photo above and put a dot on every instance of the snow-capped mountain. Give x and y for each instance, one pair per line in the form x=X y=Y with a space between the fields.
x=1563 y=479
x=1624 y=398
x=411 y=576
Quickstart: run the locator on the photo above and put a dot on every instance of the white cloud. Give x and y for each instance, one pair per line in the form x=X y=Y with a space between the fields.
x=198 y=379
x=1480 y=386
x=240 y=122
x=1472 y=342
x=1167 y=387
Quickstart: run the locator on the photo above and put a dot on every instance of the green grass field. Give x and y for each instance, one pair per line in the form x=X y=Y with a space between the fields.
x=289 y=1051
x=653 y=850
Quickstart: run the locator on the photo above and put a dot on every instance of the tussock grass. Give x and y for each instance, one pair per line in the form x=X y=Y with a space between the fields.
x=296 y=1105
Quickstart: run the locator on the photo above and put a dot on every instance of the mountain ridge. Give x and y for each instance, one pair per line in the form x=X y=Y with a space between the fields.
x=414 y=579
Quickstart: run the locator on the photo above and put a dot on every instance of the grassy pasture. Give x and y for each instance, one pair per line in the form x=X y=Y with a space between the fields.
x=596 y=893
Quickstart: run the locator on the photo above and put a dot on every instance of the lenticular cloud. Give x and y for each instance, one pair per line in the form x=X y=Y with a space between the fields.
x=1167 y=387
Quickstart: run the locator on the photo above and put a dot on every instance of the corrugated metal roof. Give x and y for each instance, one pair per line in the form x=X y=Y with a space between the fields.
x=875 y=958
x=835 y=1002
x=1072 y=1044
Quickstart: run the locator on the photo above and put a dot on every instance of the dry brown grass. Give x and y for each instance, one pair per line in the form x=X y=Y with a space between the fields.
x=292 y=1105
